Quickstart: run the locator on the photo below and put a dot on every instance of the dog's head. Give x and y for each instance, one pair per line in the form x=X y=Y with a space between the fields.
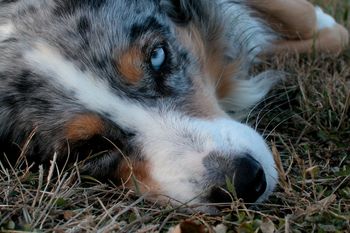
x=156 y=71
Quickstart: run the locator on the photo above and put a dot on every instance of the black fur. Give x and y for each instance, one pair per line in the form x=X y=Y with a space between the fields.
x=68 y=7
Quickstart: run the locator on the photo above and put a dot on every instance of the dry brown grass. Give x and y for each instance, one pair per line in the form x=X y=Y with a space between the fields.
x=306 y=120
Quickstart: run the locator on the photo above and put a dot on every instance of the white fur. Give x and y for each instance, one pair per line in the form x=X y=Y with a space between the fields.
x=173 y=144
x=176 y=159
x=249 y=92
x=324 y=20
x=246 y=32
x=6 y=30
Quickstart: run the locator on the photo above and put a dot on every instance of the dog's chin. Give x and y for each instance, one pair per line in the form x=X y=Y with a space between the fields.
x=208 y=209
x=198 y=205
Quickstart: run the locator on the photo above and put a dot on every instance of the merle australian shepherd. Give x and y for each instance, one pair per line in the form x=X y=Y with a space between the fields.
x=140 y=88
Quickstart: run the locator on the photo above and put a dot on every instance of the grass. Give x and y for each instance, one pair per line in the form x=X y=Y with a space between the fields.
x=306 y=121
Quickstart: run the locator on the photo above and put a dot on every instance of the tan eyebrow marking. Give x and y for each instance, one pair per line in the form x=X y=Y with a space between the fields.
x=129 y=64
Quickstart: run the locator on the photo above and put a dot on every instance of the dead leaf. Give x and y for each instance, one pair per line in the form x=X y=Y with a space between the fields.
x=191 y=226
x=267 y=226
x=67 y=215
x=221 y=228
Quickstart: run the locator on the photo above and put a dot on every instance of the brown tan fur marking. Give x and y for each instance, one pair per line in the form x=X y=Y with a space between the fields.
x=215 y=80
x=130 y=65
x=295 y=19
x=84 y=127
x=329 y=40
x=137 y=173
x=225 y=84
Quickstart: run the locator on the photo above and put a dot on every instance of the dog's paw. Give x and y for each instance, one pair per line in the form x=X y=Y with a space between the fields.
x=334 y=36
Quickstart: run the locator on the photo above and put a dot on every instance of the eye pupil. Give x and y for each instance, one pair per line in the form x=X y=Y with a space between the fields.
x=157 y=58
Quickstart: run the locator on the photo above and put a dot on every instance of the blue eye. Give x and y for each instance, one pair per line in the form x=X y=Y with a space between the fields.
x=157 y=58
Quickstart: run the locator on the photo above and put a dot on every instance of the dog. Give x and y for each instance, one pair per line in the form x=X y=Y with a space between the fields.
x=137 y=91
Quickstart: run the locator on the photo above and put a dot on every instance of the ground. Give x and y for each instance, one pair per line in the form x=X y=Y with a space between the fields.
x=306 y=121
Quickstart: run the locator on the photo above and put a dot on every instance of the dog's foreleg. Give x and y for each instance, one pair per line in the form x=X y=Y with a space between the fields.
x=329 y=40
x=295 y=19
x=302 y=26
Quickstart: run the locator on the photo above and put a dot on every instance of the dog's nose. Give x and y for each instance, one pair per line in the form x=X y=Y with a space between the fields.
x=248 y=179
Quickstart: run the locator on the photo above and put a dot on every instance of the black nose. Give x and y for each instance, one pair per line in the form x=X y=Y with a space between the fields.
x=248 y=179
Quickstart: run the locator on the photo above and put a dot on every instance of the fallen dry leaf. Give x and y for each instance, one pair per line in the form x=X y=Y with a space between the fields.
x=267 y=226
x=190 y=226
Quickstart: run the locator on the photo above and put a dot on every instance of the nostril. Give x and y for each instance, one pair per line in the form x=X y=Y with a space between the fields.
x=249 y=179
x=245 y=173
x=219 y=195
x=260 y=182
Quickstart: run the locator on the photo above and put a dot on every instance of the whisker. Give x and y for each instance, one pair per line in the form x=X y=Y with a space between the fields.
x=282 y=122
x=259 y=120
x=264 y=107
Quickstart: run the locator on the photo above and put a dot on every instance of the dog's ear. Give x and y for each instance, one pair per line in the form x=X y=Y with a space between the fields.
x=204 y=14
x=183 y=11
